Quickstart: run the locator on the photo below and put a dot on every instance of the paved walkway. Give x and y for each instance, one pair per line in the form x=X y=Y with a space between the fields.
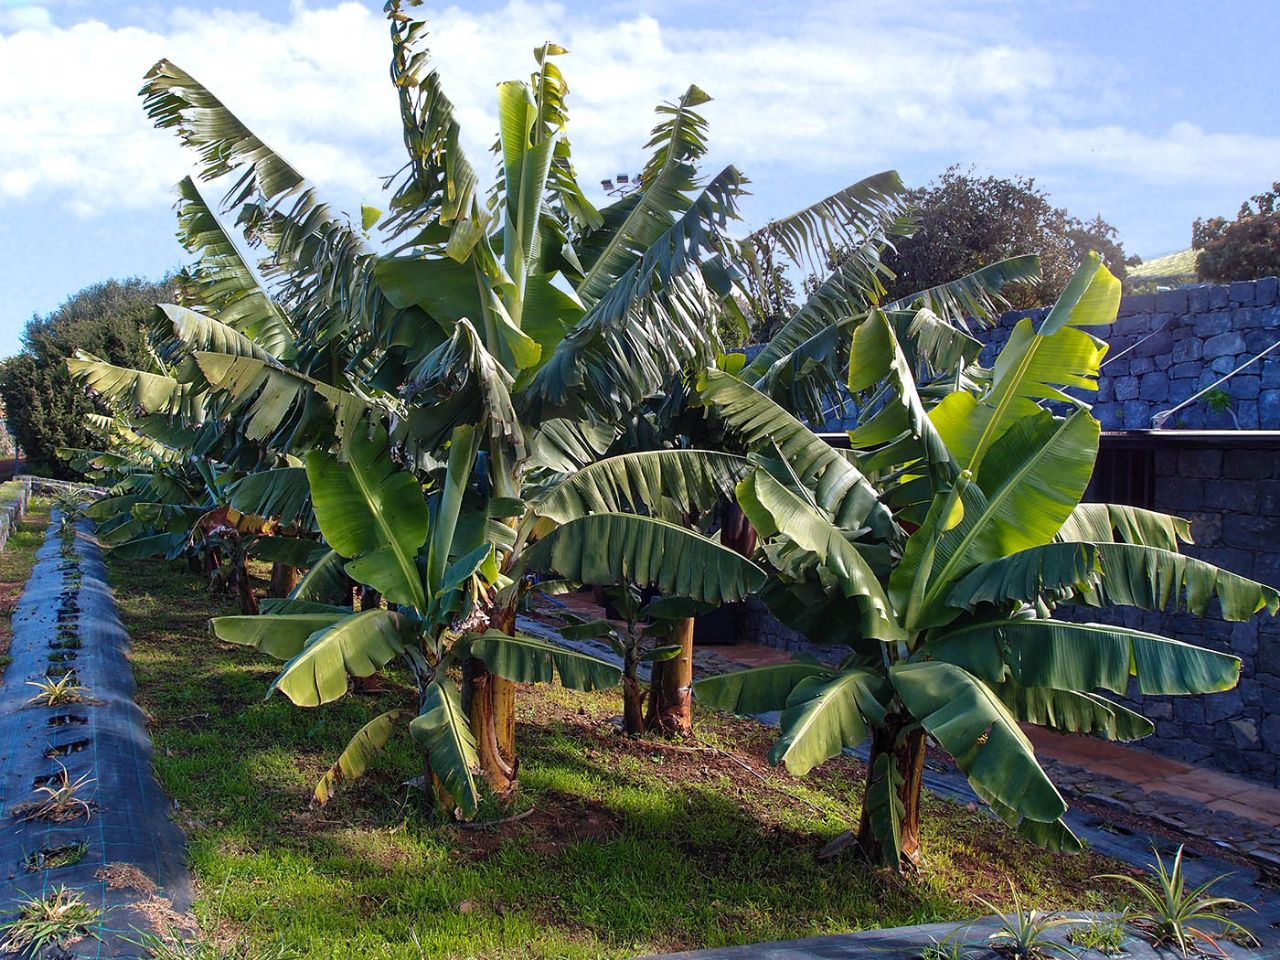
x=1156 y=774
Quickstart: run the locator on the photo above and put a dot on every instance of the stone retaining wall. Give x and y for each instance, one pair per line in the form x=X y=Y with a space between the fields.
x=13 y=507
x=1229 y=488
x=1167 y=346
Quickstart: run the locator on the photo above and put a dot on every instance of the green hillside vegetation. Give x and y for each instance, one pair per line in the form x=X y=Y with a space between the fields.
x=1177 y=267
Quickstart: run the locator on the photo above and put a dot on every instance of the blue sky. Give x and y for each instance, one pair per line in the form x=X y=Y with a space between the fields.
x=1151 y=113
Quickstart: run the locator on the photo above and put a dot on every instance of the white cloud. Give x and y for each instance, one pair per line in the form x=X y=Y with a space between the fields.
x=806 y=94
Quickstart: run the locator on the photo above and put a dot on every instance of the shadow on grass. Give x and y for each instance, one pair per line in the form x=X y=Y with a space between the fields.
x=629 y=849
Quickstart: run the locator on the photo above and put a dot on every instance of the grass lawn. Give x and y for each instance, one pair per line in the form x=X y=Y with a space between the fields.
x=16 y=560
x=631 y=847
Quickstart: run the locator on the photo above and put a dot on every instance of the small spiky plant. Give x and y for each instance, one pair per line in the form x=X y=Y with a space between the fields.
x=55 y=693
x=60 y=800
x=1105 y=936
x=59 y=918
x=949 y=947
x=1024 y=934
x=1175 y=916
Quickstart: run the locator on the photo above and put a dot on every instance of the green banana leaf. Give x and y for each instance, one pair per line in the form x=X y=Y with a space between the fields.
x=524 y=659
x=757 y=690
x=355 y=758
x=356 y=646
x=968 y=721
x=372 y=511
x=278 y=635
x=1084 y=657
x=444 y=732
x=825 y=714
x=610 y=548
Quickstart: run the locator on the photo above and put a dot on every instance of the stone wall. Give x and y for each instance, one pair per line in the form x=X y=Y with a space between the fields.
x=1166 y=346
x=1229 y=488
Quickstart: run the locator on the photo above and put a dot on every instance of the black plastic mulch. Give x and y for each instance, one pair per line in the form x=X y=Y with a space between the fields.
x=66 y=600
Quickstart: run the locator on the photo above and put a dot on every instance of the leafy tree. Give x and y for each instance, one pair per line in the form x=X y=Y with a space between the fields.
x=44 y=412
x=966 y=222
x=1245 y=248
x=940 y=552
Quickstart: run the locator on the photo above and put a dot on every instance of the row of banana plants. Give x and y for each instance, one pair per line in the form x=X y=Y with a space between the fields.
x=512 y=392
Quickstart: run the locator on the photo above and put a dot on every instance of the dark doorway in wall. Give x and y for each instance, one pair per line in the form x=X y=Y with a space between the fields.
x=1124 y=474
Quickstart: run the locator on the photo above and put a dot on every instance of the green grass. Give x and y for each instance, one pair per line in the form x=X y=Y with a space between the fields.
x=632 y=846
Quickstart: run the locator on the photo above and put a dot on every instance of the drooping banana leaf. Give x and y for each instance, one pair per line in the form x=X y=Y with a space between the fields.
x=357 y=755
x=198 y=331
x=1028 y=574
x=691 y=480
x=836 y=483
x=775 y=511
x=1073 y=712
x=227 y=283
x=524 y=659
x=1084 y=657
x=824 y=715
x=279 y=635
x=445 y=734
x=873 y=210
x=1155 y=579
x=1119 y=523
x=611 y=548
x=356 y=646
x=326 y=581
x=970 y=723
x=135 y=389
x=438 y=183
x=757 y=690
x=282 y=493
x=975 y=296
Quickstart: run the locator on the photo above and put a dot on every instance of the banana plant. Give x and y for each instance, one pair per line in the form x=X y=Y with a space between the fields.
x=442 y=557
x=523 y=313
x=648 y=621
x=944 y=549
x=523 y=316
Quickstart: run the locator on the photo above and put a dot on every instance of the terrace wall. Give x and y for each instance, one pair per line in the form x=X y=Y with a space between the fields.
x=1229 y=488
x=1166 y=346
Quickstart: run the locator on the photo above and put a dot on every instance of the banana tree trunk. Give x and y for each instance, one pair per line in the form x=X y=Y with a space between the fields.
x=632 y=693
x=283 y=579
x=490 y=703
x=370 y=599
x=670 y=691
x=736 y=531
x=903 y=745
x=243 y=587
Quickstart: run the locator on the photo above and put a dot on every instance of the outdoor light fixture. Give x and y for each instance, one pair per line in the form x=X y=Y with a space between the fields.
x=626 y=183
